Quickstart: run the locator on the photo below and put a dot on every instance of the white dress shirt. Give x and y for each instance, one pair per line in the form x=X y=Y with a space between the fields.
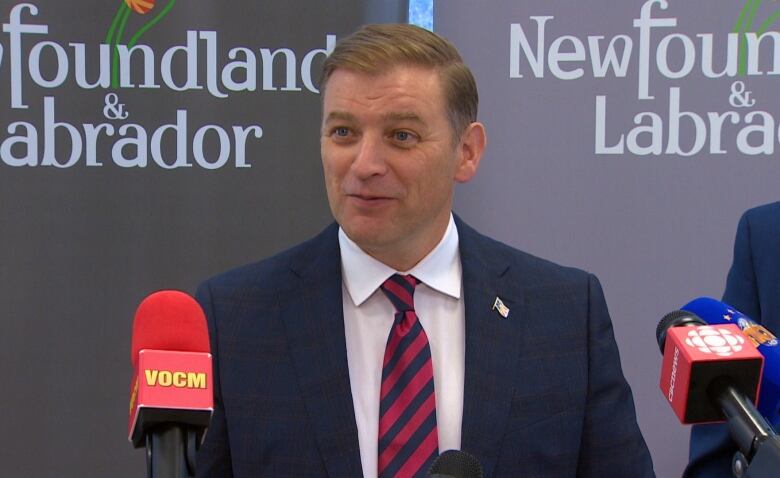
x=368 y=318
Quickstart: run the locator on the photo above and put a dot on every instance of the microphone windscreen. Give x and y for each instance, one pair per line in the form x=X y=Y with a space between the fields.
x=169 y=320
x=676 y=318
x=455 y=464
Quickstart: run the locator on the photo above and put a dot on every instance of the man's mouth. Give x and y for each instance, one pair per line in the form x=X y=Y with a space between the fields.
x=369 y=199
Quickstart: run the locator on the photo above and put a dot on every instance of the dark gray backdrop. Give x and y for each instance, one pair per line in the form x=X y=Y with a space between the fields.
x=81 y=246
x=657 y=230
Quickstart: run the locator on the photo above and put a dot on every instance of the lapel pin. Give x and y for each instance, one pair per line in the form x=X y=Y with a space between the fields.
x=501 y=308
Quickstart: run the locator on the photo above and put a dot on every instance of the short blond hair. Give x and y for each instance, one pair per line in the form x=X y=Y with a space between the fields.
x=374 y=49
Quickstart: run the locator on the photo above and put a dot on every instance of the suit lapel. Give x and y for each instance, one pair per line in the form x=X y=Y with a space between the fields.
x=492 y=346
x=314 y=326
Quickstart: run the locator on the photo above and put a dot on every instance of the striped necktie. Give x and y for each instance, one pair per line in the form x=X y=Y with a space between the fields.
x=408 y=437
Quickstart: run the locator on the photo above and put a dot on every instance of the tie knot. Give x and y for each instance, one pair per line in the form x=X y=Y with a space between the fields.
x=400 y=290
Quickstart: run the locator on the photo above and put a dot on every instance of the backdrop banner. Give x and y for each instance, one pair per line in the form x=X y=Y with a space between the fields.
x=625 y=138
x=144 y=144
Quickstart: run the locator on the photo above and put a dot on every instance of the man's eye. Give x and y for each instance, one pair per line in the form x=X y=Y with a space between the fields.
x=341 y=131
x=404 y=136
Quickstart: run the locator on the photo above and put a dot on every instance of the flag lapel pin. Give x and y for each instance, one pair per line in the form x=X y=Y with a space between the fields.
x=502 y=309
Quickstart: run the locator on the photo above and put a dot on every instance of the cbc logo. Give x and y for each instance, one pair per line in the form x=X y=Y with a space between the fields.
x=715 y=341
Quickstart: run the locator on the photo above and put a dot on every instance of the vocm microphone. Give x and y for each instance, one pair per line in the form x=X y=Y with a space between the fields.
x=716 y=312
x=455 y=464
x=171 y=397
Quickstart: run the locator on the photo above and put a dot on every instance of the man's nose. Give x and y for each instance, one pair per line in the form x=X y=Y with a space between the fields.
x=370 y=158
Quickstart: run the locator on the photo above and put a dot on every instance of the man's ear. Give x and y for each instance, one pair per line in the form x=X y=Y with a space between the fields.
x=470 y=149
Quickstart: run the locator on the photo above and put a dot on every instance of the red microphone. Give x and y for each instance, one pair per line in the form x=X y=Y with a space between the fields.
x=171 y=397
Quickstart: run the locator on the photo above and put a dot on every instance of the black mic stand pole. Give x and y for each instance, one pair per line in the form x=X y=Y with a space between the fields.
x=170 y=451
x=759 y=444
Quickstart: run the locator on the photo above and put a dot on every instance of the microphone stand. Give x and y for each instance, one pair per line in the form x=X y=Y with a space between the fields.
x=759 y=444
x=766 y=461
x=170 y=451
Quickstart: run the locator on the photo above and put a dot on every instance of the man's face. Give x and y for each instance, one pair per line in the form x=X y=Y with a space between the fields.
x=390 y=159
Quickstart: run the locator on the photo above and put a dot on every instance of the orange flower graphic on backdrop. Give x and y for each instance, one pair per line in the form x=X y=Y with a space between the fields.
x=116 y=32
x=140 y=6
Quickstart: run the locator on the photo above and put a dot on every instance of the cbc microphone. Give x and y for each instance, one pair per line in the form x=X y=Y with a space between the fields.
x=700 y=362
x=711 y=373
x=171 y=398
x=455 y=464
x=716 y=312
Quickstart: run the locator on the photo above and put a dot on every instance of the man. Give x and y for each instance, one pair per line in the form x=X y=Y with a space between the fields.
x=400 y=332
x=753 y=288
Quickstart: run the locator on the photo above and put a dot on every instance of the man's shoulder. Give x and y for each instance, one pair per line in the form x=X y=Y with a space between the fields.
x=542 y=272
x=275 y=270
x=766 y=214
x=759 y=229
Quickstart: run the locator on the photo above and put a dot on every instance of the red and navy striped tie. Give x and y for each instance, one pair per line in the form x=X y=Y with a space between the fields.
x=408 y=437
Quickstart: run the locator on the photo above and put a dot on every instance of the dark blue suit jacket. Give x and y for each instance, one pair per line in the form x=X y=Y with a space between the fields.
x=753 y=288
x=544 y=392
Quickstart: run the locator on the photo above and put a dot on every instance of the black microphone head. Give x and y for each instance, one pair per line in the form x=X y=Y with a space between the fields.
x=455 y=464
x=677 y=318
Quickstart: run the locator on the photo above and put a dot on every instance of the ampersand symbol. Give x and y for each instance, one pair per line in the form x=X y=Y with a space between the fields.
x=114 y=109
x=739 y=98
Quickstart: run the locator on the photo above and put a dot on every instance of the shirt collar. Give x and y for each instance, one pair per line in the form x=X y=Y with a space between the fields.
x=440 y=269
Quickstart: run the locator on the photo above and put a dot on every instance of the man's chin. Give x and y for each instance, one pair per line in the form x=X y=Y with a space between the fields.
x=370 y=235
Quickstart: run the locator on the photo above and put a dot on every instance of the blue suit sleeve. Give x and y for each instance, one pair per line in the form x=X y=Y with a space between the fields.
x=214 y=454
x=612 y=444
x=712 y=449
